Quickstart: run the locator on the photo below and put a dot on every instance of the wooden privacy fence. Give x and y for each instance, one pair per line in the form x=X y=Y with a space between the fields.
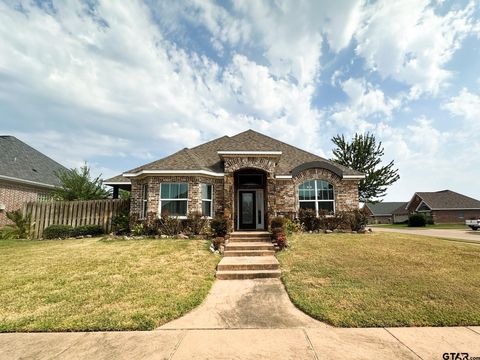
x=74 y=213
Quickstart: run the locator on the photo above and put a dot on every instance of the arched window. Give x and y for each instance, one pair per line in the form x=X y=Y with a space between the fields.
x=316 y=195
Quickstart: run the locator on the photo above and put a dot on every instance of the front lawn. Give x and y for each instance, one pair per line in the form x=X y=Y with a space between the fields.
x=97 y=284
x=428 y=226
x=383 y=279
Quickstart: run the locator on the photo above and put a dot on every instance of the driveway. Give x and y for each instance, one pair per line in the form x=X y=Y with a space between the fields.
x=464 y=235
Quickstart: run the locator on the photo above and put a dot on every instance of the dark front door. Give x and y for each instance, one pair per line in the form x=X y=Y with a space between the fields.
x=247 y=210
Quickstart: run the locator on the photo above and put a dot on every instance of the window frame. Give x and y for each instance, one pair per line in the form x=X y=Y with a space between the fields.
x=207 y=200
x=178 y=199
x=316 y=201
x=144 y=205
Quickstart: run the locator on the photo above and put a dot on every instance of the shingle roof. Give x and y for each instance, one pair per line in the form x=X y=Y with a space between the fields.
x=117 y=179
x=384 y=208
x=20 y=161
x=447 y=199
x=205 y=156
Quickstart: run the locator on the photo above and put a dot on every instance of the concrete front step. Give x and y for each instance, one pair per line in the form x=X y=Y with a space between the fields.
x=250 y=239
x=229 y=253
x=248 y=263
x=236 y=246
x=250 y=233
x=248 y=274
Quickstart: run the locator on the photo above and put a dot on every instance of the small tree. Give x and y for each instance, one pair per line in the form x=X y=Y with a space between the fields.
x=364 y=155
x=77 y=184
x=21 y=227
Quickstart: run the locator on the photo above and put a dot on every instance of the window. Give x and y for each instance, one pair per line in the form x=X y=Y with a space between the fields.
x=174 y=199
x=207 y=203
x=143 y=213
x=316 y=195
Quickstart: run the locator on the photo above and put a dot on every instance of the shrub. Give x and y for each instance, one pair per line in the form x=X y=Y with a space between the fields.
x=217 y=242
x=21 y=227
x=281 y=241
x=416 y=220
x=84 y=230
x=308 y=218
x=357 y=219
x=196 y=223
x=278 y=222
x=57 y=232
x=169 y=225
x=6 y=234
x=333 y=222
x=292 y=226
x=138 y=229
x=219 y=226
x=121 y=223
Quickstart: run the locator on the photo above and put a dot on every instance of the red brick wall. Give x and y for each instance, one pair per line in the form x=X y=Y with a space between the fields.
x=13 y=195
x=454 y=216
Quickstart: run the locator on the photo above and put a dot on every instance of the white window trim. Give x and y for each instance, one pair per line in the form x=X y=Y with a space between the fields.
x=316 y=200
x=144 y=210
x=211 y=200
x=182 y=199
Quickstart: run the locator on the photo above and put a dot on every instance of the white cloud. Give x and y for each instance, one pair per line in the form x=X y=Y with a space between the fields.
x=410 y=42
x=466 y=105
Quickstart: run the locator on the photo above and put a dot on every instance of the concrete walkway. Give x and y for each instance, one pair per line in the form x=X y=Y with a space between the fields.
x=464 y=235
x=306 y=343
x=245 y=304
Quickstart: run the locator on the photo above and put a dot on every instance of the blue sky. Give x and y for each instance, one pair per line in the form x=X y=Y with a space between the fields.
x=119 y=84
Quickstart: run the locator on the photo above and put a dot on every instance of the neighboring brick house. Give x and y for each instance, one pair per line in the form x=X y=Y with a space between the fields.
x=382 y=212
x=247 y=178
x=445 y=206
x=25 y=175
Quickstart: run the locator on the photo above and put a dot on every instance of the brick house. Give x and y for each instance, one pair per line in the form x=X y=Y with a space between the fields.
x=25 y=175
x=445 y=206
x=247 y=178
x=382 y=212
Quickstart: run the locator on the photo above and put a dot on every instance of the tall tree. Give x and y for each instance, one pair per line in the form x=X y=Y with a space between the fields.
x=77 y=184
x=363 y=154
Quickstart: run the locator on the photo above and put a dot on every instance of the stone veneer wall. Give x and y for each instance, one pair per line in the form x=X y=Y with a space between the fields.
x=194 y=192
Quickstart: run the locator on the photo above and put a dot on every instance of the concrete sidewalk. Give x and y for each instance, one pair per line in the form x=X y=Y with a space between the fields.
x=461 y=235
x=300 y=343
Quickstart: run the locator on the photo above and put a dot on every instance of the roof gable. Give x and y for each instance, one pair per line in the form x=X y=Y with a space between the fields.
x=20 y=161
x=447 y=199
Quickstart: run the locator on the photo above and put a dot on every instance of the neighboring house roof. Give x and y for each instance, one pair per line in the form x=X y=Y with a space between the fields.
x=205 y=157
x=447 y=200
x=401 y=210
x=20 y=162
x=384 y=208
x=117 y=180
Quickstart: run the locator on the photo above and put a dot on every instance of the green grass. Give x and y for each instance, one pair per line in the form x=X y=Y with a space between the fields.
x=383 y=279
x=434 y=226
x=98 y=284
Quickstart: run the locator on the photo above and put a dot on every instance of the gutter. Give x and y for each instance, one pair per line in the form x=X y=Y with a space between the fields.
x=28 y=182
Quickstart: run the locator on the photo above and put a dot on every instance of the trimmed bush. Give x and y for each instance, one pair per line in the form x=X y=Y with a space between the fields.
x=281 y=241
x=308 y=218
x=58 y=232
x=121 y=223
x=358 y=219
x=292 y=226
x=84 y=230
x=278 y=222
x=196 y=223
x=416 y=220
x=219 y=226
x=169 y=225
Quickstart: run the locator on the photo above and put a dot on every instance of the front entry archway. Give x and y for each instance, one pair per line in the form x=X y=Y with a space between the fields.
x=250 y=205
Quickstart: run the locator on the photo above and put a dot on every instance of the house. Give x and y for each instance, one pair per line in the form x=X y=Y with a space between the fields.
x=25 y=175
x=445 y=206
x=247 y=178
x=382 y=212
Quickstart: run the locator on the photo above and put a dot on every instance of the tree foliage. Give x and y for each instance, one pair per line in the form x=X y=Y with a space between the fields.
x=78 y=184
x=363 y=154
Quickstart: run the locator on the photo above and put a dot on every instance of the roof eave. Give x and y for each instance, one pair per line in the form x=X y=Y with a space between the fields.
x=29 y=182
